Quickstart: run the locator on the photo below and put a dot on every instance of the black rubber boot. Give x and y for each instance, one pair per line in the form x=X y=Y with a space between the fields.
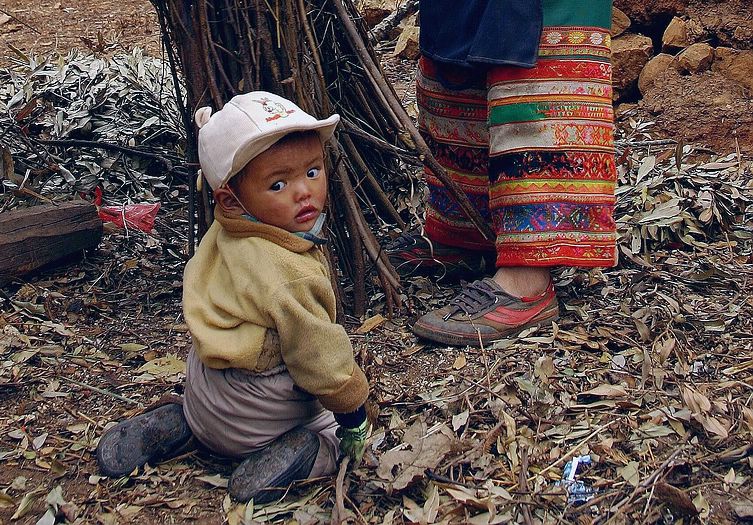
x=265 y=474
x=147 y=438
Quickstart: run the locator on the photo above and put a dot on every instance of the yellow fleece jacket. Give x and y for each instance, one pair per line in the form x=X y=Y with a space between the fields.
x=256 y=296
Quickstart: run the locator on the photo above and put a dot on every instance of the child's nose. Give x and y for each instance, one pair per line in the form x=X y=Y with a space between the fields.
x=303 y=190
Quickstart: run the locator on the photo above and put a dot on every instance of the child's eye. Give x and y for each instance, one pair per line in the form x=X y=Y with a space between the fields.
x=277 y=186
x=312 y=173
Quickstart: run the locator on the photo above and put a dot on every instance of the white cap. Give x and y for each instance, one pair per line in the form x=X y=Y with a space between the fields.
x=246 y=126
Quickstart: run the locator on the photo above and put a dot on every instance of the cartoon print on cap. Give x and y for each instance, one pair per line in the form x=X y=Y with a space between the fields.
x=275 y=108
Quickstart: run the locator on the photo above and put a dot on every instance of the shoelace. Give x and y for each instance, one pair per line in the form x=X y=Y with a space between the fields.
x=472 y=299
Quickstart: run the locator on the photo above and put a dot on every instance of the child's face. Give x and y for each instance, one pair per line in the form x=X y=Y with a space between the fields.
x=286 y=185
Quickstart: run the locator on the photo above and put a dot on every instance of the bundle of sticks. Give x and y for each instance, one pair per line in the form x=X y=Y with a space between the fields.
x=317 y=53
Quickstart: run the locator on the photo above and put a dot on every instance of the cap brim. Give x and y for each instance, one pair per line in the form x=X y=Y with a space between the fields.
x=254 y=147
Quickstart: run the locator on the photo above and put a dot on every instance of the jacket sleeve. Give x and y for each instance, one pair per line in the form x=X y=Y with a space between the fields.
x=315 y=349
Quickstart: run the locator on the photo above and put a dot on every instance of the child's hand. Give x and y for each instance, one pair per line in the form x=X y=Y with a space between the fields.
x=353 y=441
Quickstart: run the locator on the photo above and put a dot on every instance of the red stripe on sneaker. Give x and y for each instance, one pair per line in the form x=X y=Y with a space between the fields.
x=511 y=317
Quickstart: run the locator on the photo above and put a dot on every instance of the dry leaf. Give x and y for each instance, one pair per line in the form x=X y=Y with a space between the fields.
x=630 y=473
x=743 y=509
x=459 y=420
x=544 y=368
x=467 y=496
x=370 y=323
x=6 y=500
x=713 y=425
x=215 y=481
x=695 y=401
x=702 y=506
x=167 y=366
x=423 y=515
x=608 y=391
x=421 y=450
x=460 y=362
x=677 y=500
x=27 y=502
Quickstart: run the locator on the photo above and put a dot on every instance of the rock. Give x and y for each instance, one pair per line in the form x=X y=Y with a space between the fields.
x=696 y=58
x=676 y=35
x=407 y=43
x=695 y=31
x=735 y=65
x=620 y=22
x=728 y=23
x=653 y=70
x=629 y=54
x=647 y=13
x=374 y=11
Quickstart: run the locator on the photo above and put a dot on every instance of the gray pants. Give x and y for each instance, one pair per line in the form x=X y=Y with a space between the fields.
x=234 y=412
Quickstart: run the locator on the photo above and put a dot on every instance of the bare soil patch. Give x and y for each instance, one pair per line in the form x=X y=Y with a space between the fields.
x=44 y=27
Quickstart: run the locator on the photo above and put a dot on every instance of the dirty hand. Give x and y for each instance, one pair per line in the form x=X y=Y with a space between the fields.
x=353 y=441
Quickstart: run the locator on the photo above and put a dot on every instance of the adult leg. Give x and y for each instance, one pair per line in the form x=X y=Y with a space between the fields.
x=552 y=172
x=552 y=177
x=453 y=121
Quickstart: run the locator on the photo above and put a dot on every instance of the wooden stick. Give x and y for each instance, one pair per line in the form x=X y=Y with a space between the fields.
x=390 y=21
x=102 y=391
x=523 y=484
x=338 y=512
x=382 y=199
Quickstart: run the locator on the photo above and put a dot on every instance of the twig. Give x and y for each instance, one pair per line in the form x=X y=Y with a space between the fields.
x=733 y=456
x=338 y=512
x=102 y=391
x=523 y=484
x=575 y=448
x=14 y=17
x=103 y=145
x=382 y=199
x=621 y=507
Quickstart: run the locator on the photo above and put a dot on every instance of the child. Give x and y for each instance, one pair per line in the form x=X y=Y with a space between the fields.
x=270 y=376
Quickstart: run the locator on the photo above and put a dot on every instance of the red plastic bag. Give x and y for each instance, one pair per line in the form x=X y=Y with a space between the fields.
x=139 y=216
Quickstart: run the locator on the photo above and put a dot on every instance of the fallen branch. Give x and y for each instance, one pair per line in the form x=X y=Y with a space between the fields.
x=379 y=32
x=338 y=512
x=102 y=391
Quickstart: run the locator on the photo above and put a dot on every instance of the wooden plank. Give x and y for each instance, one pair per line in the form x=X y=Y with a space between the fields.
x=33 y=237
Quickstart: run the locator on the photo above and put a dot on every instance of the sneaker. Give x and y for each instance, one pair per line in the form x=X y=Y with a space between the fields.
x=483 y=312
x=415 y=254
x=147 y=438
x=265 y=475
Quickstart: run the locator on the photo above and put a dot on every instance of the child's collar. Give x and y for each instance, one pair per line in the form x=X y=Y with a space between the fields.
x=312 y=235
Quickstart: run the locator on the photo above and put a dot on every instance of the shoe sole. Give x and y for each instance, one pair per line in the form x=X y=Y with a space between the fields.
x=123 y=440
x=265 y=474
x=461 y=339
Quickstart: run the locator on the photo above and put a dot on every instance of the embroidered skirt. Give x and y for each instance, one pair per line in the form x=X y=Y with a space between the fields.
x=532 y=148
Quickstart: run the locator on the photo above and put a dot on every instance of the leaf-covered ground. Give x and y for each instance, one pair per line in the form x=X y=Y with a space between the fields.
x=648 y=372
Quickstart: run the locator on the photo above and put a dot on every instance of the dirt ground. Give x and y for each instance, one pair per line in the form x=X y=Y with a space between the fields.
x=49 y=26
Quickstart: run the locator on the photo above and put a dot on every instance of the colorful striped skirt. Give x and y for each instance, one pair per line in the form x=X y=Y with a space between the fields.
x=532 y=148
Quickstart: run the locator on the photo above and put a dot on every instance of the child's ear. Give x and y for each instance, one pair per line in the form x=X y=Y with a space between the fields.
x=226 y=200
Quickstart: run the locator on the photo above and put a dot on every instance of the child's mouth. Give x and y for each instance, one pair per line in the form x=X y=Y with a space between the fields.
x=308 y=213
